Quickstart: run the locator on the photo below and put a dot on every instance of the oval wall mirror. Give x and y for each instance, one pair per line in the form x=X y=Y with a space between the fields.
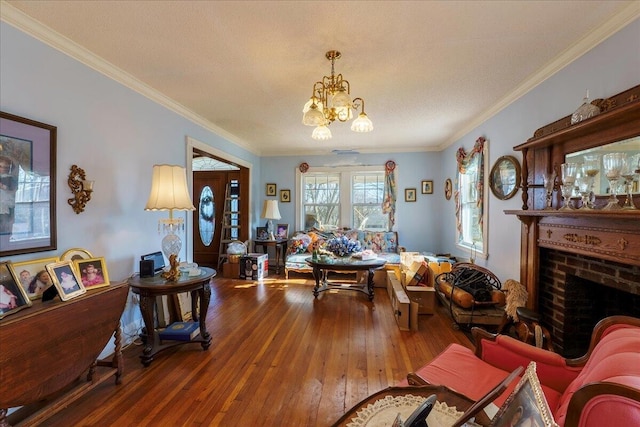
x=504 y=179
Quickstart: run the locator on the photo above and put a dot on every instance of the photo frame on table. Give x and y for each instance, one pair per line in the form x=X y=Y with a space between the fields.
x=409 y=194
x=285 y=196
x=29 y=146
x=12 y=296
x=93 y=272
x=261 y=233
x=271 y=189
x=66 y=280
x=33 y=276
x=75 y=254
x=282 y=231
x=526 y=404
x=427 y=187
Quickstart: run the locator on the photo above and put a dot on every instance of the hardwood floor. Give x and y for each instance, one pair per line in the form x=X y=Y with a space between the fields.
x=279 y=357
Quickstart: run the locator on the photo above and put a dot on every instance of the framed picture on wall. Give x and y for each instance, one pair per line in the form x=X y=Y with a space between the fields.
x=271 y=189
x=285 y=196
x=30 y=146
x=427 y=187
x=409 y=194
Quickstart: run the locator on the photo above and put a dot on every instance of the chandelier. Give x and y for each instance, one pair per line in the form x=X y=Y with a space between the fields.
x=330 y=101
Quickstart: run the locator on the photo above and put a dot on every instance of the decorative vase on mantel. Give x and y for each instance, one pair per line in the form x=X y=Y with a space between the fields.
x=585 y=111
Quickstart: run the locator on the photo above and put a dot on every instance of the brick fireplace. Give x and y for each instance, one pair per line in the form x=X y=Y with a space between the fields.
x=576 y=291
x=578 y=266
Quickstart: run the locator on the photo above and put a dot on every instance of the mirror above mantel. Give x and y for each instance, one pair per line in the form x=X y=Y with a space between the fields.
x=629 y=147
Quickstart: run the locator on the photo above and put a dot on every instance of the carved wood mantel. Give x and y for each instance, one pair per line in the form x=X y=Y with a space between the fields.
x=608 y=235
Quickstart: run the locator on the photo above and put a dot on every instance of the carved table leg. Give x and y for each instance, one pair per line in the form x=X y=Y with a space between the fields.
x=118 y=361
x=370 y=284
x=3 y=418
x=205 y=297
x=146 y=307
x=316 y=274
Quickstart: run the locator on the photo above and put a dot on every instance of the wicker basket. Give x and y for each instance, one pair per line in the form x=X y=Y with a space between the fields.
x=234 y=258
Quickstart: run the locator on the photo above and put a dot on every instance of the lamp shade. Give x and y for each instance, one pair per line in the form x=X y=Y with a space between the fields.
x=169 y=189
x=270 y=210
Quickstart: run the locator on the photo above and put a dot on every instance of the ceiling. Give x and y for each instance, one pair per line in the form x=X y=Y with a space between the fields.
x=428 y=71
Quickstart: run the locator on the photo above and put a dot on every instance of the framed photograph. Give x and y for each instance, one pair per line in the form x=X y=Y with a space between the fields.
x=285 y=196
x=282 y=231
x=29 y=147
x=526 y=405
x=427 y=187
x=75 y=254
x=409 y=194
x=33 y=276
x=93 y=272
x=12 y=295
x=271 y=189
x=66 y=280
x=261 y=233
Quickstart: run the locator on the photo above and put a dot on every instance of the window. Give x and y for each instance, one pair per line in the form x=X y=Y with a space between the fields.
x=471 y=209
x=341 y=197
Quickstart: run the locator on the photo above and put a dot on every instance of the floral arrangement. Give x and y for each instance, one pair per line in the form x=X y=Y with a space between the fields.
x=342 y=246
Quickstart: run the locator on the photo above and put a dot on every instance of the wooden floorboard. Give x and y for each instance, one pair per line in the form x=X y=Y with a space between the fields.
x=279 y=357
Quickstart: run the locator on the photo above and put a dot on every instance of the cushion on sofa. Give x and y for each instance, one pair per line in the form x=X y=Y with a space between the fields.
x=459 y=369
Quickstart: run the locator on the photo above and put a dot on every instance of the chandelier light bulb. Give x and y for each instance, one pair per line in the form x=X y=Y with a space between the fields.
x=313 y=117
x=362 y=124
x=321 y=133
x=341 y=99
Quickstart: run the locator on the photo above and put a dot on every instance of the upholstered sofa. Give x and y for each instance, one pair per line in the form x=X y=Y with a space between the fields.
x=384 y=244
x=602 y=388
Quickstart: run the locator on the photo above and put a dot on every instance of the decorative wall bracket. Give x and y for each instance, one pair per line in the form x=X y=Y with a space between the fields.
x=80 y=188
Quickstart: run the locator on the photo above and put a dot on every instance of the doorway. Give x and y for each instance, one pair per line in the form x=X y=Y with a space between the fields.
x=211 y=176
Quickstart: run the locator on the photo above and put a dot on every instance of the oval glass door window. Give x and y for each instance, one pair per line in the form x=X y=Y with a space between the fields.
x=207 y=217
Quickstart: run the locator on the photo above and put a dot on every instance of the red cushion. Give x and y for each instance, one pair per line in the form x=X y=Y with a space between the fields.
x=460 y=370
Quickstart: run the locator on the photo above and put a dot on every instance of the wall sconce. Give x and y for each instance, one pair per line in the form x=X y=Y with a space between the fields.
x=81 y=189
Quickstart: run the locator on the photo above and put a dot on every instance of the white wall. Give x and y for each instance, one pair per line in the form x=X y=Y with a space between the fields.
x=608 y=69
x=115 y=134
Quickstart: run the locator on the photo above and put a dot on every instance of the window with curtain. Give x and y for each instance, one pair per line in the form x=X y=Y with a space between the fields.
x=471 y=200
x=342 y=197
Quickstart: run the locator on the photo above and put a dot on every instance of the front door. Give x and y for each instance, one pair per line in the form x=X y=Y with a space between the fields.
x=209 y=200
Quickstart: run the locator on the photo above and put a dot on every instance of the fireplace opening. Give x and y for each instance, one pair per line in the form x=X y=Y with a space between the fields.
x=590 y=303
x=577 y=291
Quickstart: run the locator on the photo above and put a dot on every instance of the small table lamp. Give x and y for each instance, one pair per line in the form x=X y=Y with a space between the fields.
x=168 y=193
x=270 y=211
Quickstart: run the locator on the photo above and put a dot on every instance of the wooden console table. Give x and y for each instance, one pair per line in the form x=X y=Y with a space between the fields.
x=151 y=287
x=48 y=346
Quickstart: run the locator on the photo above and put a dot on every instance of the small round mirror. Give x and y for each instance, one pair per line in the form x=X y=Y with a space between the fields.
x=504 y=179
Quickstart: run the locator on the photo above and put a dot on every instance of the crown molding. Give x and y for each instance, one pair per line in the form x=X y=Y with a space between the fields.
x=584 y=45
x=50 y=37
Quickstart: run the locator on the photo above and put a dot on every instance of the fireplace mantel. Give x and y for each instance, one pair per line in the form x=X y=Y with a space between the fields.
x=606 y=235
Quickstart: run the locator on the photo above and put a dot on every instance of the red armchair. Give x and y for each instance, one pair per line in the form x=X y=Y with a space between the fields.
x=600 y=388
